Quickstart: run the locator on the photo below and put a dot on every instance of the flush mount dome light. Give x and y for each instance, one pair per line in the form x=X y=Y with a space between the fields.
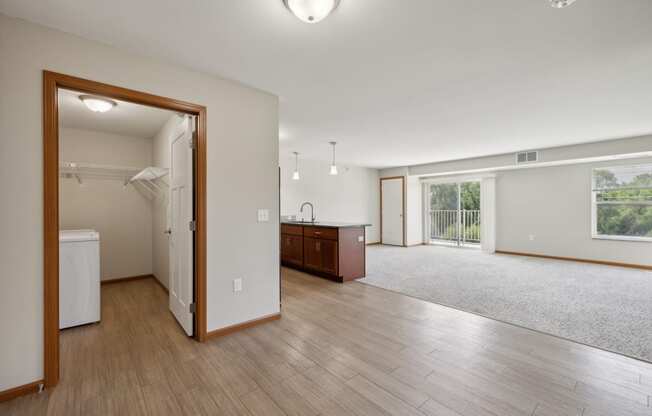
x=560 y=4
x=97 y=104
x=311 y=11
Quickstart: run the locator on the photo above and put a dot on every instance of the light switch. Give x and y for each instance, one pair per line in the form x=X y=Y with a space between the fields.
x=263 y=215
x=237 y=285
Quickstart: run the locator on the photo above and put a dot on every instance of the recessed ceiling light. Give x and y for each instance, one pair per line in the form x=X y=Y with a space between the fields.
x=311 y=11
x=559 y=4
x=97 y=104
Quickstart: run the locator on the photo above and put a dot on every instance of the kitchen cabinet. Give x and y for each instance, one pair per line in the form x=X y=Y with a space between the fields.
x=335 y=251
x=292 y=249
x=320 y=254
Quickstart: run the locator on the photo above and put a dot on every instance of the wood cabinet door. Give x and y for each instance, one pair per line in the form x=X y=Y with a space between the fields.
x=292 y=249
x=312 y=253
x=328 y=249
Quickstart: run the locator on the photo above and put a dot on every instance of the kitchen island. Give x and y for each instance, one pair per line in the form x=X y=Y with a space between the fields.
x=332 y=250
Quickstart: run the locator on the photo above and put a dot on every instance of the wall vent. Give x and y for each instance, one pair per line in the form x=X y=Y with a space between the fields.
x=527 y=157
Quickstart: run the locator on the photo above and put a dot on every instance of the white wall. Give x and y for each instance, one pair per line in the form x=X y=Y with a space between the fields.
x=351 y=196
x=161 y=158
x=414 y=211
x=122 y=215
x=551 y=203
x=625 y=146
x=554 y=205
x=242 y=158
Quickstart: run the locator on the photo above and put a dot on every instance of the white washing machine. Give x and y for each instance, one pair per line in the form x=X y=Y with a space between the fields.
x=79 y=277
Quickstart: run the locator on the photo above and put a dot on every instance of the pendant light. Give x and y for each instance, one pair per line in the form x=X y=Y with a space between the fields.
x=311 y=11
x=560 y=4
x=333 y=170
x=295 y=175
x=97 y=104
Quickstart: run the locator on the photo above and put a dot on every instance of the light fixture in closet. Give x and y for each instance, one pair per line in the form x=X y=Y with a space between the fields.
x=560 y=4
x=311 y=11
x=295 y=175
x=97 y=104
x=333 y=170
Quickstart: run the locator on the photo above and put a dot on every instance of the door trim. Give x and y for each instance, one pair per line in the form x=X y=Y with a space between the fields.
x=52 y=81
x=402 y=178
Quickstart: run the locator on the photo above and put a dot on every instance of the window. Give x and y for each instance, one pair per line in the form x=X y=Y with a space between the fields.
x=622 y=202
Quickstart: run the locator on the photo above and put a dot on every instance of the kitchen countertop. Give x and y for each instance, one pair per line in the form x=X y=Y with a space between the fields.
x=329 y=224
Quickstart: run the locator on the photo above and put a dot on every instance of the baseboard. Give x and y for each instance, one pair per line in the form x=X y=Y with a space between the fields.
x=158 y=282
x=239 y=327
x=602 y=262
x=126 y=279
x=20 y=391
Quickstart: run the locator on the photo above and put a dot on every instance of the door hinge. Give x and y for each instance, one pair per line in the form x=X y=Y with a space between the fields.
x=193 y=307
x=192 y=225
x=193 y=141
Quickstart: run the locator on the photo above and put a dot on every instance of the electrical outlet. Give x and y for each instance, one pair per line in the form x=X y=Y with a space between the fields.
x=237 y=285
x=360 y=238
x=263 y=215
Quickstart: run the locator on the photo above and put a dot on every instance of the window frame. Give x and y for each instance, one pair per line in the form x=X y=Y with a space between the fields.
x=594 y=210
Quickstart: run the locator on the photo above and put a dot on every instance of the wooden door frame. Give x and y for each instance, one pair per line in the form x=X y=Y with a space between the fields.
x=52 y=82
x=402 y=178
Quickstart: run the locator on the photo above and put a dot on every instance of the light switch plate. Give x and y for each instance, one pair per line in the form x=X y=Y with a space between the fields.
x=237 y=285
x=263 y=215
x=360 y=238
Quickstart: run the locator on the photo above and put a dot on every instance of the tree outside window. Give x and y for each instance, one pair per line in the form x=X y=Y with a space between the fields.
x=623 y=201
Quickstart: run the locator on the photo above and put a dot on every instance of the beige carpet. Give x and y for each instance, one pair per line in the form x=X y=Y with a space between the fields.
x=603 y=306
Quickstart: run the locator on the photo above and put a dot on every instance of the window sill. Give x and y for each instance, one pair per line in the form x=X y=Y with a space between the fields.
x=622 y=238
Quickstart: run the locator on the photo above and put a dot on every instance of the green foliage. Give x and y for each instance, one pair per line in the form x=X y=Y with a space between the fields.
x=622 y=208
x=444 y=196
x=472 y=232
x=471 y=195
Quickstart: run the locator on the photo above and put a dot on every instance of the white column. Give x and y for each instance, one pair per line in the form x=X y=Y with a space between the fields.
x=488 y=214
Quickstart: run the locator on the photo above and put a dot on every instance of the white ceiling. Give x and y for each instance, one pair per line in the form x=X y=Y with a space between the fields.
x=125 y=119
x=403 y=82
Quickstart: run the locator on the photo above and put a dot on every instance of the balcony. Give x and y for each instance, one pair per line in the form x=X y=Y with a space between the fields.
x=460 y=227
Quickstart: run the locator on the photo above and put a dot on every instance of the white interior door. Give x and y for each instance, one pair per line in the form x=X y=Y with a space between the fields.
x=181 y=236
x=392 y=211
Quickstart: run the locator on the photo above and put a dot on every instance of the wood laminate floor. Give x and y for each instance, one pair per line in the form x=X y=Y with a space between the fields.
x=339 y=349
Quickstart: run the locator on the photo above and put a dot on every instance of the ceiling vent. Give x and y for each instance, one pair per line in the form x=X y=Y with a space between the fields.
x=527 y=157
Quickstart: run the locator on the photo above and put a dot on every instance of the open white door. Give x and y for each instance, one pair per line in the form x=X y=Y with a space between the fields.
x=391 y=191
x=182 y=226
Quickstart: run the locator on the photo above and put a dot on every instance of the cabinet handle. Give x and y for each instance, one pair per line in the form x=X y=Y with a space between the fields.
x=317 y=232
x=318 y=246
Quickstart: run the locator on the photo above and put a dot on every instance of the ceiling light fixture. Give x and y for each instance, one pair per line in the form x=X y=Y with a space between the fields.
x=97 y=104
x=311 y=11
x=333 y=170
x=560 y=4
x=295 y=175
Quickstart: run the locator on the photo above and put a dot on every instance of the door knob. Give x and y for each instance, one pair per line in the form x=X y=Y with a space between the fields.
x=168 y=231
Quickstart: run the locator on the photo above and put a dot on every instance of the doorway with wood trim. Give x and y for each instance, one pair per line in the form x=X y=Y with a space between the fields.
x=187 y=177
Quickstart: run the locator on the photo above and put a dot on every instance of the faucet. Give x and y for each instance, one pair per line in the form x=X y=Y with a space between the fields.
x=312 y=210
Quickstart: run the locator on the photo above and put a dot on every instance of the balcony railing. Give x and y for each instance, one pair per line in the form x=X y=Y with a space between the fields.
x=454 y=225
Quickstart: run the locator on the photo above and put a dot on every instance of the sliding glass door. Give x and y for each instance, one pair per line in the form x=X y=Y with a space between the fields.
x=454 y=213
